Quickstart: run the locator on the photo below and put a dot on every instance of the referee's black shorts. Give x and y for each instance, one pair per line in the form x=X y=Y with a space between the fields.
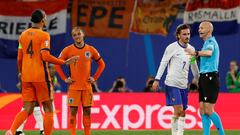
x=209 y=87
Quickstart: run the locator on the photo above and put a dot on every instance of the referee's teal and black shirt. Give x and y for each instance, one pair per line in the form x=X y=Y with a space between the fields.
x=210 y=64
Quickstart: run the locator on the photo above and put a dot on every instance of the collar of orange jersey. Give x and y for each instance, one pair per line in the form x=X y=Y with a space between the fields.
x=79 y=47
x=35 y=27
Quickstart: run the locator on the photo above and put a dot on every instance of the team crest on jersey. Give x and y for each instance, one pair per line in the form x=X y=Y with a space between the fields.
x=46 y=43
x=87 y=54
x=70 y=100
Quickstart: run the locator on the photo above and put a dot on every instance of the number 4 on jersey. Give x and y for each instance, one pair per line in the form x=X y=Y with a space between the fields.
x=30 y=49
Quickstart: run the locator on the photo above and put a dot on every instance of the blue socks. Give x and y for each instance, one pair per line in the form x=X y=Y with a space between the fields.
x=206 y=122
x=217 y=122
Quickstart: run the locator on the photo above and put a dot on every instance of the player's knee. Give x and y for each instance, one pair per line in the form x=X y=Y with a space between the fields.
x=86 y=111
x=48 y=109
x=73 y=110
x=201 y=109
x=47 y=106
x=208 y=111
x=182 y=114
x=28 y=109
x=178 y=113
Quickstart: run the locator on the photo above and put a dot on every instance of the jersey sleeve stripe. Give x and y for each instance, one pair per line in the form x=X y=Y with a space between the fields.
x=98 y=59
x=47 y=79
x=47 y=49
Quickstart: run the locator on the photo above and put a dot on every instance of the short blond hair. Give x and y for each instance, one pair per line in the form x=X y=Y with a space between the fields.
x=77 y=28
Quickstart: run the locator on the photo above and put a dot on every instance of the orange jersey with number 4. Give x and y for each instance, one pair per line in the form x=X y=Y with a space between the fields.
x=80 y=70
x=31 y=42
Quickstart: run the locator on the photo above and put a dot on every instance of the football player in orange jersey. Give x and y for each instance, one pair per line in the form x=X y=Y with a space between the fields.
x=33 y=57
x=80 y=79
x=36 y=113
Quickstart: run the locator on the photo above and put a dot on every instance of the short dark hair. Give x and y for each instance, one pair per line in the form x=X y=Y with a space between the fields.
x=150 y=83
x=37 y=16
x=119 y=84
x=181 y=27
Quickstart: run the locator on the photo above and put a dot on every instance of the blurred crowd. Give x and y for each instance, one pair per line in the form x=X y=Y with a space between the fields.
x=120 y=83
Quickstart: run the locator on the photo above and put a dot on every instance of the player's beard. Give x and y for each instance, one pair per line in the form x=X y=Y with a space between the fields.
x=186 y=41
x=80 y=43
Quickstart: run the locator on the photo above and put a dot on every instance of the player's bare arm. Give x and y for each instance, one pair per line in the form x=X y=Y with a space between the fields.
x=71 y=60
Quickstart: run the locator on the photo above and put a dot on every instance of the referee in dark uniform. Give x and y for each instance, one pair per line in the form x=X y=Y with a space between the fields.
x=209 y=78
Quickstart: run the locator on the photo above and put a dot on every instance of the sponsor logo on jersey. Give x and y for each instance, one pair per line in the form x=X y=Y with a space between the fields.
x=70 y=100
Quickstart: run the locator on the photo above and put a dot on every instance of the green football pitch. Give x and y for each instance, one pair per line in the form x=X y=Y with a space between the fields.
x=131 y=132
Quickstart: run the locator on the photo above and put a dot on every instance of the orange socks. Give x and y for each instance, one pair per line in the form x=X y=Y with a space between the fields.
x=20 y=117
x=87 y=125
x=72 y=124
x=48 y=123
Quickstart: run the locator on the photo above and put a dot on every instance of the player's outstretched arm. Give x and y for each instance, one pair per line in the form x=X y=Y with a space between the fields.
x=71 y=60
x=46 y=56
x=60 y=72
x=204 y=53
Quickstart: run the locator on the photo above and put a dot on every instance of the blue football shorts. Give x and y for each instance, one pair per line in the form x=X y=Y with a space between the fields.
x=176 y=96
